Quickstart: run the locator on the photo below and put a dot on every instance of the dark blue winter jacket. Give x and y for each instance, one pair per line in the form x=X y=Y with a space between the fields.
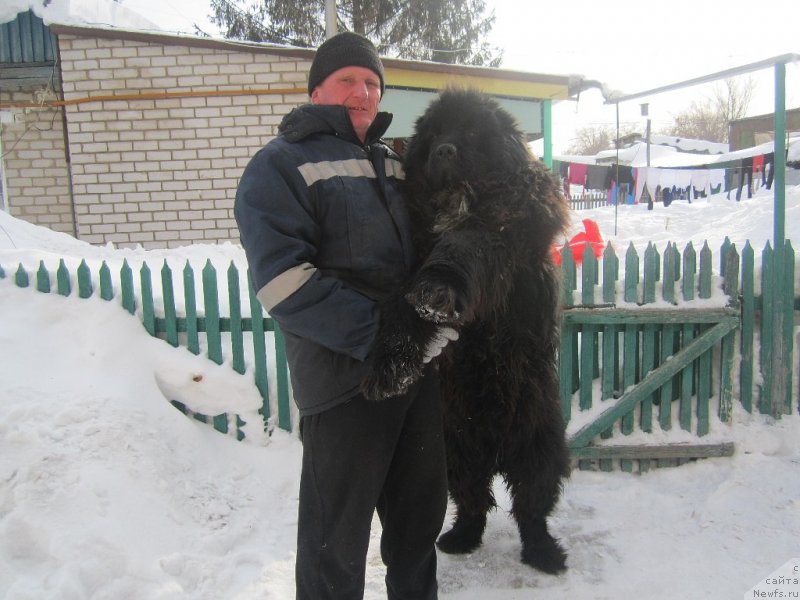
x=326 y=233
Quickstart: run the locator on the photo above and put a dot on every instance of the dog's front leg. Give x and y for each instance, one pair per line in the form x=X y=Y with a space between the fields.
x=462 y=272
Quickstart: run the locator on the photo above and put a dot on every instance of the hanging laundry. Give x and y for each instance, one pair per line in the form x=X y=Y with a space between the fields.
x=577 y=173
x=769 y=169
x=745 y=172
x=641 y=180
x=700 y=181
x=622 y=174
x=598 y=177
x=716 y=180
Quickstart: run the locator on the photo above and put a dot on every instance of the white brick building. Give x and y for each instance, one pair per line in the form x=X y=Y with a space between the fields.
x=139 y=138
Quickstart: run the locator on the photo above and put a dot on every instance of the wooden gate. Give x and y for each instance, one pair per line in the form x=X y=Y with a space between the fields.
x=656 y=369
x=650 y=358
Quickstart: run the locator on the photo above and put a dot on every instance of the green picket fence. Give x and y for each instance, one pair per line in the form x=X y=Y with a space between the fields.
x=203 y=329
x=651 y=344
x=653 y=338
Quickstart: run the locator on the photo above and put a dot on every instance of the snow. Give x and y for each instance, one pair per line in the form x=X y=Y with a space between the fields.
x=110 y=492
x=103 y=13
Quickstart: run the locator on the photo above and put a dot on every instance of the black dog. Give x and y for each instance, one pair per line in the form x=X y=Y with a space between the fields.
x=485 y=214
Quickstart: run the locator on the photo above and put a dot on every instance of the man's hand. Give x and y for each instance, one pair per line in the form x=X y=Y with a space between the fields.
x=442 y=337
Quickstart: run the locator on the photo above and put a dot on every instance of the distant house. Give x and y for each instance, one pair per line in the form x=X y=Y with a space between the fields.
x=139 y=138
x=752 y=131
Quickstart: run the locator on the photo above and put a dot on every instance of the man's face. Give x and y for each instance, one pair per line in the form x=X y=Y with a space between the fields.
x=356 y=88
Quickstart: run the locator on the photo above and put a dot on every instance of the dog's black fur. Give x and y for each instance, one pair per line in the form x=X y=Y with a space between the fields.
x=485 y=214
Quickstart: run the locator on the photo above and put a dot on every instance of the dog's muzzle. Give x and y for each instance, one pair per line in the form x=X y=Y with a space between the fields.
x=442 y=163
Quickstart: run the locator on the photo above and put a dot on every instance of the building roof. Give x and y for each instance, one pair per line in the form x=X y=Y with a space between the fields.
x=400 y=73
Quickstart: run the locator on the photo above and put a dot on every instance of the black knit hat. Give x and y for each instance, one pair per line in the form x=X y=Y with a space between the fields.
x=346 y=49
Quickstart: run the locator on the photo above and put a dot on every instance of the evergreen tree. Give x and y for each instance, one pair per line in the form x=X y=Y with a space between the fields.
x=437 y=30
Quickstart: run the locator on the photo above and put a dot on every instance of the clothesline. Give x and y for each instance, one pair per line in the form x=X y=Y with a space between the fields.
x=666 y=183
x=670 y=158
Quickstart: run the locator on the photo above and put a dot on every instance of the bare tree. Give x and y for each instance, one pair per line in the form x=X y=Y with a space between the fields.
x=709 y=119
x=593 y=139
x=732 y=98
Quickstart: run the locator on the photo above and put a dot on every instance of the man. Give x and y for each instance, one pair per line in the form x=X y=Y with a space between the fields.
x=326 y=234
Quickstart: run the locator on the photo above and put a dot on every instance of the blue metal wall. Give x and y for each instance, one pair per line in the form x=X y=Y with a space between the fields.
x=26 y=40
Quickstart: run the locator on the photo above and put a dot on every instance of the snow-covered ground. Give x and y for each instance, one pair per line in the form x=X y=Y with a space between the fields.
x=108 y=492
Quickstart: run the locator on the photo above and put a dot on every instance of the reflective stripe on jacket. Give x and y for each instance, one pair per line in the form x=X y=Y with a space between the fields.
x=326 y=234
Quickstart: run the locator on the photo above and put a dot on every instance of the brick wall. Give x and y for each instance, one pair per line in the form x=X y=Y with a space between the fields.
x=35 y=164
x=162 y=172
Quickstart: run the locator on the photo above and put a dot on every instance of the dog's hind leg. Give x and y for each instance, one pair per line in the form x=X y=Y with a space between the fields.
x=470 y=488
x=534 y=483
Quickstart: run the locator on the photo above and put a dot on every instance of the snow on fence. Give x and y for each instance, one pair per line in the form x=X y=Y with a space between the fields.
x=654 y=350
x=659 y=348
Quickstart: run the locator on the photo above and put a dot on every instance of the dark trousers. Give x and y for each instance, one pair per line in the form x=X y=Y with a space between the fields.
x=358 y=457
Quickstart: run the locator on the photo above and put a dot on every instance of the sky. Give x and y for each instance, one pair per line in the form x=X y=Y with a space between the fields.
x=109 y=493
x=630 y=45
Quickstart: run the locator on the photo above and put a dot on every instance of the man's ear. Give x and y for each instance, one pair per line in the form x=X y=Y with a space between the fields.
x=315 y=95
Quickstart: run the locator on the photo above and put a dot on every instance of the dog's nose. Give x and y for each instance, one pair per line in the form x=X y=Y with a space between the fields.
x=445 y=151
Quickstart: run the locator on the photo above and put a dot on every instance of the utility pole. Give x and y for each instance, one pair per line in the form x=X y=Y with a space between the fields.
x=330 y=18
x=645 y=113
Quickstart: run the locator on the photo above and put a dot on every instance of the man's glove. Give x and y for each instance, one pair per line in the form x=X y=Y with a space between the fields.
x=440 y=339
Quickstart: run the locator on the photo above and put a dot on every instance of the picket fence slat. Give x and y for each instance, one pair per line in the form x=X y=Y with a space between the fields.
x=611 y=339
x=788 y=322
x=259 y=349
x=211 y=308
x=42 y=279
x=106 y=285
x=85 y=287
x=148 y=307
x=62 y=279
x=746 y=333
x=237 y=336
x=282 y=378
x=170 y=313
x=126 y=287
x=766 y=333
x=190 y=307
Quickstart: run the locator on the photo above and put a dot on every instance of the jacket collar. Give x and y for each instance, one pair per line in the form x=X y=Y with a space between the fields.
x=309 y=119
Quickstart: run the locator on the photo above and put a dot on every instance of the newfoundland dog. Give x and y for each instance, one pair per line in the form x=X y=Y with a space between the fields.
x=485 y=214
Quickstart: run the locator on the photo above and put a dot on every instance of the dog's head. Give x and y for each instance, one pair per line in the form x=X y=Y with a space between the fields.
x=463 y=136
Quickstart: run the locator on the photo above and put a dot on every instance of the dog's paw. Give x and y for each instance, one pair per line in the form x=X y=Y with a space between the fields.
x=436 y=302
x=390 y=377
